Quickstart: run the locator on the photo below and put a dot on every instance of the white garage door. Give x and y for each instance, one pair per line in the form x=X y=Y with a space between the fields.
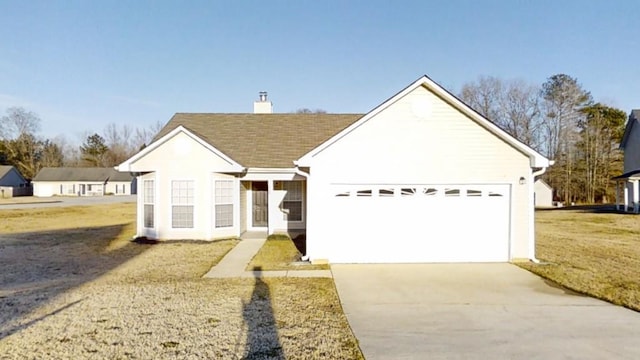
x=420 y=223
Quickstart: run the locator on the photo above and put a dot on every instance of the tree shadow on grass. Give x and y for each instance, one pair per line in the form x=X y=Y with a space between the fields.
x=595 y=209
x=36 y=267
x=262 y=332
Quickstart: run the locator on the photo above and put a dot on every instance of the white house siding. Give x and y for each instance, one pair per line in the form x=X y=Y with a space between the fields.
x=118 y=188
x=43 y=189
x=632 y=149
x=73 y=188
x=67 y=188
x=420 y=139
x=544 y=194
x=244 y=185
x=183 y=158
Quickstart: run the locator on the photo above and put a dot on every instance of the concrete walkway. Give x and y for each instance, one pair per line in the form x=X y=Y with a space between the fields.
x=233 y=265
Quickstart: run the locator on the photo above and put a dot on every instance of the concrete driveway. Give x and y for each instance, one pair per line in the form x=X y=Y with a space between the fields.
x=478 y=311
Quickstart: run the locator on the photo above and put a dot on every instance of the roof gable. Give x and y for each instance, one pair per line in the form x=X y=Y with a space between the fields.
x=260 y=140
x=543 y=183
x=634 y=119
x=6 y=169
x=536 y=159
x=81 y=174
x=181 y=134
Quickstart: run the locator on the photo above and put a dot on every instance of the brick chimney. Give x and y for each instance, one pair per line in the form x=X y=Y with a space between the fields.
x=262 y=106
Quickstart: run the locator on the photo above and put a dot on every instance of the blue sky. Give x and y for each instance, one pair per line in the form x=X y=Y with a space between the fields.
x=83 y=64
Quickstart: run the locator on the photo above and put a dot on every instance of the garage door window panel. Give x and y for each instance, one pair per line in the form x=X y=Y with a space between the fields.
x=474 y=193
x=386 y=192
x=407 y=191
x=364 y=193
x=452 y=192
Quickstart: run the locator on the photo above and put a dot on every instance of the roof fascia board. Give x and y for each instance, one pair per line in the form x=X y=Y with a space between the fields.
x=256 y=170
x=126 y=166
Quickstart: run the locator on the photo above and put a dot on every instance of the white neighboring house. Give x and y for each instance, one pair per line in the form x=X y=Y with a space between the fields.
x=543 y=194
x=11 y=181
x=420 y=178
x=70 y=181
x=628 y=184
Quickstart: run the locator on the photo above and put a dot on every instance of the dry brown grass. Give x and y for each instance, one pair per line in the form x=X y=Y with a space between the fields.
x=280 y=253
x=73 y=285
x=593 y=253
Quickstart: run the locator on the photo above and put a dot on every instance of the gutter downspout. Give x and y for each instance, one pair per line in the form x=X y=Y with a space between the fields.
x=532 y=206
x=306 y=175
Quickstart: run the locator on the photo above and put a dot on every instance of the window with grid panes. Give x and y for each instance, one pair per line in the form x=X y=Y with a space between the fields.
x=148 y=201
x=223 y=203
x=182 y=204
x=292 y=203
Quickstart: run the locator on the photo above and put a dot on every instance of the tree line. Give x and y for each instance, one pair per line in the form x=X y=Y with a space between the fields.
x=559 y=119
x=23 y=147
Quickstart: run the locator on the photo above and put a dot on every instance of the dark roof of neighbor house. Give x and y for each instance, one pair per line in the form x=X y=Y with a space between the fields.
x=81 y=174
x=4 y=170
x=629 y=174
x=262 y=140
x=634 y=119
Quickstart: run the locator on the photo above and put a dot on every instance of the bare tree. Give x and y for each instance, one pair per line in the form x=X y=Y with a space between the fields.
x=144 y=136
x=601 y=130
x=18 y=121
x=119 y=142
x=513 y=105
x=484 y=96
x=563 y=98
x=309 y=111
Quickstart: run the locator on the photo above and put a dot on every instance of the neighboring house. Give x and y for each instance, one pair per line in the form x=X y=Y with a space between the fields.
x=628 y=184
x=420 y=178
x=72 y=181
x=543 y=194
x=12 y=183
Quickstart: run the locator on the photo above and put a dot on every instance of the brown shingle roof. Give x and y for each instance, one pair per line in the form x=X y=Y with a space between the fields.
x=262 y=140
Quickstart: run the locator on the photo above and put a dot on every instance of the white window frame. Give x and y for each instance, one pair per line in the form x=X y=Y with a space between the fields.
x=287 y=198
x=223 y=198
x=183 y=199
x=148 y=199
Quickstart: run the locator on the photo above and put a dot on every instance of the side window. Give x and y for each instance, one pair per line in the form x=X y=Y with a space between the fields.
x=223 y=203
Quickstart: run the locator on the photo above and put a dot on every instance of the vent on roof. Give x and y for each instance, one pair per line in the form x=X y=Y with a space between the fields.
x=262 y=106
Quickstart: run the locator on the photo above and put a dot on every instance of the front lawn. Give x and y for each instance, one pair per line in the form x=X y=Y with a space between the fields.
x=280 y=253
x=73 y=285
x=592 y=252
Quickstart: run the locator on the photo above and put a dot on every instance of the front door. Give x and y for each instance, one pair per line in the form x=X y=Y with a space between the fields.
x=259 y=193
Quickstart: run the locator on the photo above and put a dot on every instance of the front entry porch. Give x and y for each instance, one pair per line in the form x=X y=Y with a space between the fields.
x=275 y=204
x=628 y=192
